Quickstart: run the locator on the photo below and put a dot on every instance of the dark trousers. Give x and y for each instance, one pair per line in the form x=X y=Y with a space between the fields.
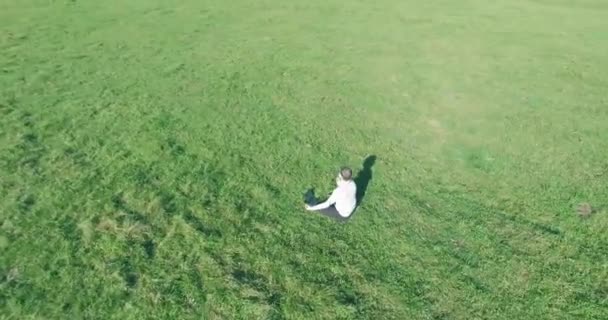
x=332 y=212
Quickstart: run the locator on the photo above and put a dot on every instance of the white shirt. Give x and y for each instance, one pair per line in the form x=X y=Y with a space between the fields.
x=344 y=197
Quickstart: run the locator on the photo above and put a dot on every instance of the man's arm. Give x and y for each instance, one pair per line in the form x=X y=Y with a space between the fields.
x=326 y=204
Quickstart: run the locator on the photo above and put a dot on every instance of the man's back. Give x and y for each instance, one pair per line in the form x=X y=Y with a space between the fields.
x=346 y=198
x=343 y=199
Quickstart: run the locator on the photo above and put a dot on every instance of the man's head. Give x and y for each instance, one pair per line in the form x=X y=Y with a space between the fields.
x=346 y=174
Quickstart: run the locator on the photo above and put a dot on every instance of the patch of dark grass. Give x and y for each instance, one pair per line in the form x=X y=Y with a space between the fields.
x=76 y=156
x=199 y=226
x=479 y=158
x=66 y=307
x=175 y=149
x=411 y=285
x=168 y=202
x=348 y=296
x=476 y=284
x=276 y=192
x=149 y=248
x=595 y=296
x=419 y=203
x=31 y=161
x=26 y=202
x=29 y=139
x=467 y=258
x=197 y=280
x=260 y=284
x=470 y=209
x=166 y=121
x=250 y=278
x=6 y=109
x=127 y=272
x=27 y=119
x=441 y=315
x=119 y=203
x=29 y=151
x=19 y=289
x=9 y=106
x=529 y=224
x=70 y=230
x=184 y=289
x=144 y=176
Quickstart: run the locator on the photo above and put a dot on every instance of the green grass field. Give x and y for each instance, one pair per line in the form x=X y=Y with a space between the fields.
x=153 y=156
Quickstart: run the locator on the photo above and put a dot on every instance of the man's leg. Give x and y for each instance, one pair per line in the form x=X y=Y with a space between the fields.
x=332 y=213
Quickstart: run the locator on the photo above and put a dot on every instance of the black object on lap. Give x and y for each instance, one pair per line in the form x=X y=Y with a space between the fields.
x=309 y=197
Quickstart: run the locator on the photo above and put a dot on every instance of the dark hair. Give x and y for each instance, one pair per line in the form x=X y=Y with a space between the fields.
x=346 y=173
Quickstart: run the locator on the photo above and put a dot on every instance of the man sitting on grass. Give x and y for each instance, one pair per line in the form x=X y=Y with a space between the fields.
x=342 y=201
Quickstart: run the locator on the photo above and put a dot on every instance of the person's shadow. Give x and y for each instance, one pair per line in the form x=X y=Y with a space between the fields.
x=364 y=176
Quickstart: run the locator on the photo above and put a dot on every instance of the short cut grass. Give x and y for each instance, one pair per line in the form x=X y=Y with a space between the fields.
x=152 y=155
